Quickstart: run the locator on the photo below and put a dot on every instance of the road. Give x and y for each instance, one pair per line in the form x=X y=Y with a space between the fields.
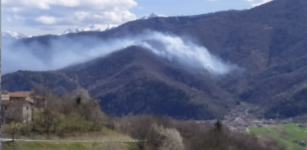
x=32 y=140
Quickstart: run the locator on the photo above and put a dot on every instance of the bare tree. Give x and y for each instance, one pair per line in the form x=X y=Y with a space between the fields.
x=51 y=112
x=13 y=116
x=164 y=139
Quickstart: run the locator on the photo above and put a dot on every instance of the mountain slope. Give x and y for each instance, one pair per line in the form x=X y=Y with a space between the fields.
x=27 y=80
x=136 y=81
x=268 y=42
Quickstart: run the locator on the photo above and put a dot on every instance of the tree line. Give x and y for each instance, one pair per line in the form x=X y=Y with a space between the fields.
x=79 y=112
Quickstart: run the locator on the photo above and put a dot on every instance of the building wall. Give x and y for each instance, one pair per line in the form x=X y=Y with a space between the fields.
x=17 y=98
x=12 y=111
x=27 y=112
x=19 y=110
x=29 y=99
x=5 y=97
x=18 y=105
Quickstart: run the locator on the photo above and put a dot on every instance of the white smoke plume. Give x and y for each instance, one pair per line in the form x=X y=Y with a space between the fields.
x=66 y=51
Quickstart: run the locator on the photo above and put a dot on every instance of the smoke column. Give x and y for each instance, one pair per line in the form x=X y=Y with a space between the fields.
x=64 y=52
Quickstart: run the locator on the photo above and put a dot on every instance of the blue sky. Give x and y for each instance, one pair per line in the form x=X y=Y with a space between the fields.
x=33 y=17
x=188 y=7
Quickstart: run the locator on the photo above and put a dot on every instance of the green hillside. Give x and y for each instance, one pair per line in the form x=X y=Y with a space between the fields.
x=284 y=134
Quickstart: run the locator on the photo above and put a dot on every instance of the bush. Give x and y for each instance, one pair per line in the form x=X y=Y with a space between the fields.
x=164 y=133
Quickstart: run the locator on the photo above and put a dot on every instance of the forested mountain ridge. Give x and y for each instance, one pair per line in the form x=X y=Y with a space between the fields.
x=269 y=42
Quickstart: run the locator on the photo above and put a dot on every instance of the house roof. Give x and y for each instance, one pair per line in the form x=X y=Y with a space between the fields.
x=20 y=94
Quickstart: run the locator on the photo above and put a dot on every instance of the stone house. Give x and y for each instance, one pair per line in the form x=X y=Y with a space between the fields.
x=20 y=111
x=18 y=107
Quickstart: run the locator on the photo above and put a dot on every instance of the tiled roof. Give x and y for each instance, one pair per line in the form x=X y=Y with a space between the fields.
x=20 y=94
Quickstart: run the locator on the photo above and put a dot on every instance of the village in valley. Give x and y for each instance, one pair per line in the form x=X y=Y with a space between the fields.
x=240 y=120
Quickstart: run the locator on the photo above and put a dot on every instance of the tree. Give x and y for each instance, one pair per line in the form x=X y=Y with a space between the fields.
x=166 y=138
x=51 y=112
x=13 y=115
x=78 y=100
x=219 y=125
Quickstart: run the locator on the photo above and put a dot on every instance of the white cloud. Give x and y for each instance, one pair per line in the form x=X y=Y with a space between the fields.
x=13 y=9
x=55 y=13
x=106 y=16
x=46 y=4
x=46 y=19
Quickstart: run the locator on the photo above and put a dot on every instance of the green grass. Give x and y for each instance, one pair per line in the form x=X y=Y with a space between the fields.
x=296 y=132
x=247 y=105
x=102 y=134
x=283 y=134
x=24 y=145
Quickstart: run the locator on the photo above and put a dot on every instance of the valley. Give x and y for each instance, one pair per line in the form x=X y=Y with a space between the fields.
x=234 y=79
x=271 y=75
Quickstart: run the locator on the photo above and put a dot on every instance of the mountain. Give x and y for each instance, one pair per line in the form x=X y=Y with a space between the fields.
x=13 y=35
x=91 y=28
x=98 y=28
x=101 y=28
x=135 y=81
x=153 y=15
x=268 y=42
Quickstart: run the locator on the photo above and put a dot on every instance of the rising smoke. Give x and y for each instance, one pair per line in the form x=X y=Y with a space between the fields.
x=65 y=51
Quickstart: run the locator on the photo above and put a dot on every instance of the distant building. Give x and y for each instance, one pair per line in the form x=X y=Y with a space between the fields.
x=303 y=125
x=20 y=106
x=269 y=122
x=259 y=125
x=257 y=122
x=16 y=110
x=5 y=96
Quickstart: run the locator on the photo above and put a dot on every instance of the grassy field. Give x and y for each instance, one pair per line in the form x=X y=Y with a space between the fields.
x=104 y=134
x=283 y=134
x=24 y=145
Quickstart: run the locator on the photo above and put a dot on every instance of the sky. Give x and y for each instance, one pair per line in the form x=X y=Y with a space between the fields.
x=37 y=17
